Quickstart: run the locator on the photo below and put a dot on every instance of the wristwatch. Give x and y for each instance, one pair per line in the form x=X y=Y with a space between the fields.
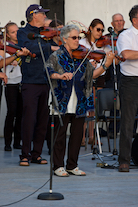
x=104 y=67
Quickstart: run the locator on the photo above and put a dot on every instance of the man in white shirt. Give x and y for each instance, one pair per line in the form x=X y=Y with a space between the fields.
x=127 y=46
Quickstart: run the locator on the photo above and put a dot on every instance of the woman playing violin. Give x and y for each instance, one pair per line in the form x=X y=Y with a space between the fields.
x=95 y=31
x=9 y=60
x=74 y=95
x=13 y=94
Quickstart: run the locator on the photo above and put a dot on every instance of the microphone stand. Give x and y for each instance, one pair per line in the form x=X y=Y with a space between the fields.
x=115 y=95
x=51 y=195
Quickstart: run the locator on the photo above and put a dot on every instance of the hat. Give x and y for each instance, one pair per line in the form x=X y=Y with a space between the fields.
x=35 y=8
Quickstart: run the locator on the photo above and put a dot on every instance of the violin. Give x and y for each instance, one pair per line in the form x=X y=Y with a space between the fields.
x=50 y=32
x=11 y=48
x=105 y=40
x=82 y=51
x=97 y=55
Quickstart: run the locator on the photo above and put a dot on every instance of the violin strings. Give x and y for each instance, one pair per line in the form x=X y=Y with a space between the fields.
x=82 y=61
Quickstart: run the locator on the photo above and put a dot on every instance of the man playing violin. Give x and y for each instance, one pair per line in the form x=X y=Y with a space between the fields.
x=35 y=88
x=74 y=95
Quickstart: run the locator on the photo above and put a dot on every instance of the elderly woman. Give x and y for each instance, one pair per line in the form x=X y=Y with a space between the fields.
x=74 y=93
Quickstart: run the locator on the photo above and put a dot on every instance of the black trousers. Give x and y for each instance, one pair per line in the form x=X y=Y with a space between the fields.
x=34 y=119
x=128 y=91
x=76 y=134
x=14 y=114
x=1 y=88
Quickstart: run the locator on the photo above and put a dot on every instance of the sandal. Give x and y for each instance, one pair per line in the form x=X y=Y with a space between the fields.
x=76 y=171
x=83 y=144
x=61 y=172
x=90 y=141
x=39 y=160
x=24 y=162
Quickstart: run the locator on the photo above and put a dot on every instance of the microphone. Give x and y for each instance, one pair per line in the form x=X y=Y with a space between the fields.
x=111 y=30
x=22 y=23
x=33 y=36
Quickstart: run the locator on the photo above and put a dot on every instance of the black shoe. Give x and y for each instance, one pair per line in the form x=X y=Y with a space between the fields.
x=49 y=152
x=7 y=148
x=17 y=146
x=111 y=135
x=135 y=135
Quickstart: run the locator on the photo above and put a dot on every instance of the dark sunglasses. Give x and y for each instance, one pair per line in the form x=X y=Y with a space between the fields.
x=98 y=30
x=75 y=37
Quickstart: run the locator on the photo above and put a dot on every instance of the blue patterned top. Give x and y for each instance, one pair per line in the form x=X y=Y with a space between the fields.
x=61 y=62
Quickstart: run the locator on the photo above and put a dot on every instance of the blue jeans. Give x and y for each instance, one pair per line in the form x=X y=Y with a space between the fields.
x=128 y=91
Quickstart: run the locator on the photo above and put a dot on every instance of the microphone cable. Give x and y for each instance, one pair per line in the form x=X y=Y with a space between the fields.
x=9 y=204
x=26 y=196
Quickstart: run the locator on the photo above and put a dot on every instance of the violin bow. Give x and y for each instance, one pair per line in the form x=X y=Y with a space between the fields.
x=56 y=27
x=4 y=60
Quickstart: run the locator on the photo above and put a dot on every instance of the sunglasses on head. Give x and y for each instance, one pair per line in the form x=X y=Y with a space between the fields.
x=75 y=37
x=98 y=30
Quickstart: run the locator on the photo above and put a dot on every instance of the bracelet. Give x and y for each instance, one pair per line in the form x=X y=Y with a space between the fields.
x=16 y=55
x=104 y=67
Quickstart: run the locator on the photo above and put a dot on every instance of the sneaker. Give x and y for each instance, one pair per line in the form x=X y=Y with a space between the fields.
x=61 y=172
x=76 y=171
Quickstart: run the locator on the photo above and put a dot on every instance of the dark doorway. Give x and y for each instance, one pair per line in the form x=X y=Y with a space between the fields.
x=55 y=6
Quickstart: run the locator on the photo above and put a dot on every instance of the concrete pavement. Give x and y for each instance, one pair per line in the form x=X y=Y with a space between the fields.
x=101 y=187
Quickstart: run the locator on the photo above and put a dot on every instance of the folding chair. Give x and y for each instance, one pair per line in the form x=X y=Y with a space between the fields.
x=104 y=103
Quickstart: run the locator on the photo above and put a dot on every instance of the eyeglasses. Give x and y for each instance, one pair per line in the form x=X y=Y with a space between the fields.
x=98 y=30
x=75 y=37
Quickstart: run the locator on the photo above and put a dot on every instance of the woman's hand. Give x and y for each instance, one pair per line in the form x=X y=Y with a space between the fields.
x=64 y=76
x=109 y=58
x=4 y=77
x=14 y=63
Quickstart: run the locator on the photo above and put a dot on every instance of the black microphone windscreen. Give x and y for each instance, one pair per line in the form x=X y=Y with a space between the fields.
x=31 y=36
x=22 y=23
x=110 y=29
